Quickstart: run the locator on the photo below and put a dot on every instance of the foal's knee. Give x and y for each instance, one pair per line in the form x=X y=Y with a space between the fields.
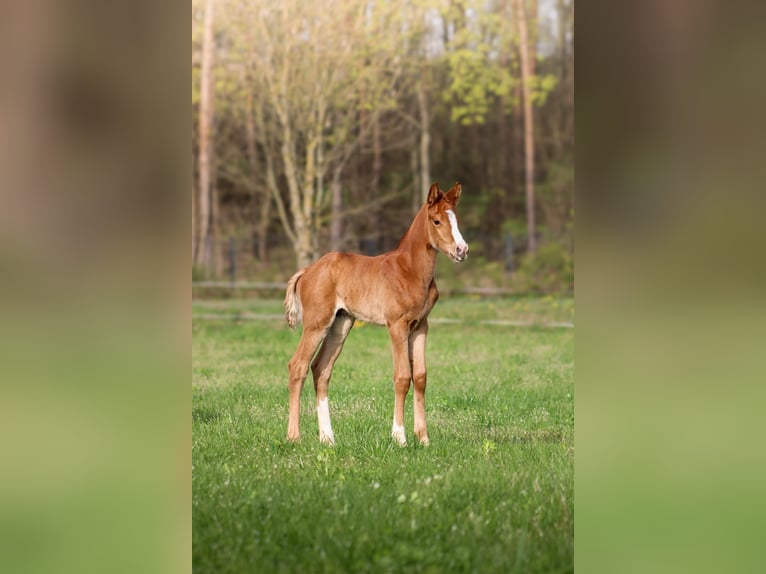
x=419 y=380
x=402 y=384
x=298 y=368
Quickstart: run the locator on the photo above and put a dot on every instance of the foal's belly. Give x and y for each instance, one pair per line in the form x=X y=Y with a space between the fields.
x=377 y=312
x=369 y=313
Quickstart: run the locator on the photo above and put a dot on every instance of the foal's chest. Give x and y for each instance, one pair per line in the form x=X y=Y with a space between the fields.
x=428 y=301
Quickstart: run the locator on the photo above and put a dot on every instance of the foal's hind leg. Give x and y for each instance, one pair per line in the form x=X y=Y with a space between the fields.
x=321 y=368
x=299 y=366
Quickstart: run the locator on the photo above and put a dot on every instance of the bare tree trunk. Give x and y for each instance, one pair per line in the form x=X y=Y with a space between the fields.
x=374 y=213
x=320 y=178
x=204 y=250
x=271 y=179
x=263 y=226
x=310 y=207
x=425 y=138
x=261 y=195
x=503 y=104
x=216 y=255
x=529 y=141
x=336 y=224
x=195 y=242
x=301 y=201
x=304 y=249
x=417 y=193
x=532 y=35
x=518 y=134
x=377 y=154
x=567 y=69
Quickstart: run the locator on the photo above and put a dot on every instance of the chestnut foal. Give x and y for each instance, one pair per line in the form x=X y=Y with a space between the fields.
x=396 y=289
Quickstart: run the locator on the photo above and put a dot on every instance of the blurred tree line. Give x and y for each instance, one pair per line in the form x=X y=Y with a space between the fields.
x=320 y=125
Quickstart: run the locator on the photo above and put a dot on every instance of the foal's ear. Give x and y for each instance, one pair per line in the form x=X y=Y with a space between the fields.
x=434 y=194
x=453 y=195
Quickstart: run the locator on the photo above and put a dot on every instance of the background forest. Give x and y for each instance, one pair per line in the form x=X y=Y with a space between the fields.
x=320 y=125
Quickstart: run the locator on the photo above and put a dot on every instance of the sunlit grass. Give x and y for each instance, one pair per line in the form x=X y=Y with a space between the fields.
x=493 y=492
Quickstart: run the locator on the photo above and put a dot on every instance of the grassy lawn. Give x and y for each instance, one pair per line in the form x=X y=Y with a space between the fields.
x=493 y=493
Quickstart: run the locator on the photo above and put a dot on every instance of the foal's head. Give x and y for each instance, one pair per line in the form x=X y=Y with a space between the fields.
x=443 y=231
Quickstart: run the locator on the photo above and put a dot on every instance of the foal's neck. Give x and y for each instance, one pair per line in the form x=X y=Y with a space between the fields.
x=420 y=255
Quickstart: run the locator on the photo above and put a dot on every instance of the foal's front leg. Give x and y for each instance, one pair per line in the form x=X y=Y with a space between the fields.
x=399 y=333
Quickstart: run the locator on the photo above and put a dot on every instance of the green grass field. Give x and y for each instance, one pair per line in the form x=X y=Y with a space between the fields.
x=493 y=493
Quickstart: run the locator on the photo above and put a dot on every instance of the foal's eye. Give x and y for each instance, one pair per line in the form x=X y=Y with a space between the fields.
x=437 y=222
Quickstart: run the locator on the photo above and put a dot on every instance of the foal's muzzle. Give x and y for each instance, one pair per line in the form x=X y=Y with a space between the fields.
x=461 y=252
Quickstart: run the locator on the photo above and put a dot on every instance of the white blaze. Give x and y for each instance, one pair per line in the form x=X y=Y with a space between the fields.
x=456 y=235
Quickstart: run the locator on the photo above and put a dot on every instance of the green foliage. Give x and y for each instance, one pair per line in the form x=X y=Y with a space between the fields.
x=474 y=84
x=476 y=81
x=517 y=228
x=555 y=199
x=541 y=87
x=476 y=77
x=493 y=492
x=474 y=206
x=478 y=271
x=199 y=272
x=550 y=270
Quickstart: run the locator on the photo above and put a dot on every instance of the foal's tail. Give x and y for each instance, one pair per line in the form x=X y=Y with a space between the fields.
x=292 y=302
